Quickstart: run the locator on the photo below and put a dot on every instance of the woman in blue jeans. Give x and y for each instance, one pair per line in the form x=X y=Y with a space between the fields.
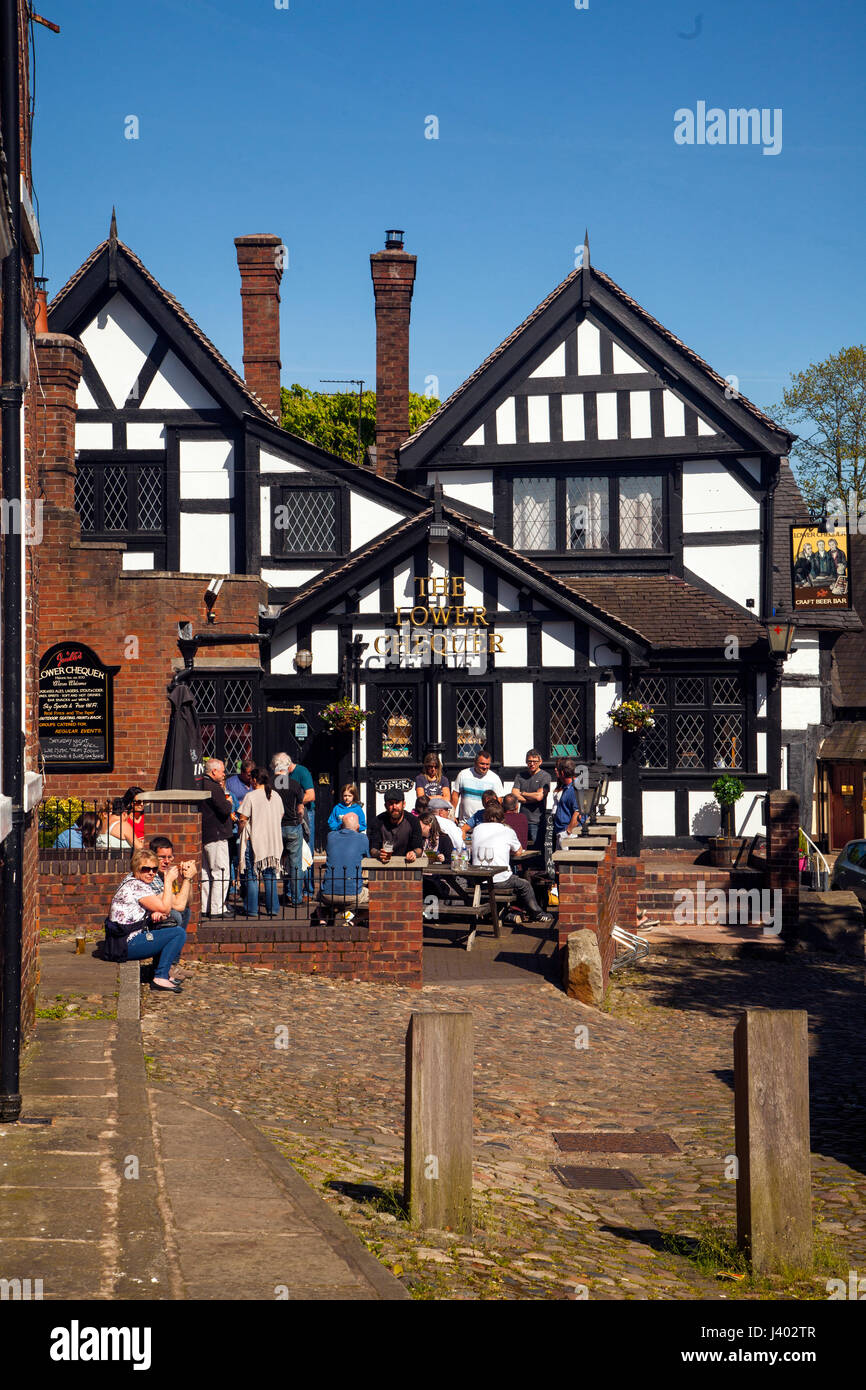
x=130 y=930
x=260 y=817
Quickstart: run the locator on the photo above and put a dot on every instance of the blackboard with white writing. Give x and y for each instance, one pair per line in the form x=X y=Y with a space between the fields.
x=76 y=709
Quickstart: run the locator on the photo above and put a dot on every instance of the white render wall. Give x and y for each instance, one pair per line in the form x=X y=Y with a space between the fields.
x=714 y=500
x=118 y=341
x=735 y=570
x=659 y=813
x=206 y=543
x=517 y=722
x=369 y=519
x=207 y=469
x=801 y=706
x=473 y=485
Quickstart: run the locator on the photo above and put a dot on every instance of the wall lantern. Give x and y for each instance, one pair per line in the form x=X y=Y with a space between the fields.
x=304 y=659
x=780 y=636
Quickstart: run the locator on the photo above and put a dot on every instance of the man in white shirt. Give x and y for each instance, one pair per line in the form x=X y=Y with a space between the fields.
x=493 y=842
x=442 y=811
x=471 y=784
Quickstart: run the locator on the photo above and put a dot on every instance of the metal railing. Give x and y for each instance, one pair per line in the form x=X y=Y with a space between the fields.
x=76 y=822
x=247 y=896
x=817 y=866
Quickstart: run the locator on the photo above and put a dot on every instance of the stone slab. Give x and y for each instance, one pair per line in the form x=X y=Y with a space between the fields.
x=252 y=1266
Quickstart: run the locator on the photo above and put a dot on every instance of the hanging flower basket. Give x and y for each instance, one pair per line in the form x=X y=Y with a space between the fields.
x=632 y=717
x=342 y=716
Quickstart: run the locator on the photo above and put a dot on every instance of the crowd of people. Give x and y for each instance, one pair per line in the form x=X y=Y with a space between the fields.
x=258 y=827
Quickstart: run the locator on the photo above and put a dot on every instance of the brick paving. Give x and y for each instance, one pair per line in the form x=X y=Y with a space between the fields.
x=660 y=1058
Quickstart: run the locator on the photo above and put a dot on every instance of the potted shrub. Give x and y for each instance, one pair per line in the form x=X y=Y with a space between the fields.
x=726 y=849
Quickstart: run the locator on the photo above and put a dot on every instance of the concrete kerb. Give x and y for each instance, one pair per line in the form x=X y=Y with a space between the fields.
x=339 y=1237
x=129 y=996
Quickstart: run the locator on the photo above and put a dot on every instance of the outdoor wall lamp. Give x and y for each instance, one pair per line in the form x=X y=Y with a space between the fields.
x=303 y=659
x=780 y=636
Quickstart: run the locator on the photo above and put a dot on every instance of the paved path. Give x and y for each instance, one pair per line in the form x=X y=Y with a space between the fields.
x=133 y=1192
x=332 y=1099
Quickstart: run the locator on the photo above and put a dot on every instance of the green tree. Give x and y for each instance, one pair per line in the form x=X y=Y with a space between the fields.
x=828 y=399
x=330 y=419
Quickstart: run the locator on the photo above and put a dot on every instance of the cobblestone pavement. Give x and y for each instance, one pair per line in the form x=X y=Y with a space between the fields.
x=660 y=1057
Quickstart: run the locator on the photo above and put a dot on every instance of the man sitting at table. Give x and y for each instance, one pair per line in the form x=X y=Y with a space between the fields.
x=488 y=799
x=517 y=819
x=394 y=830
x=493 y=843
x=347 y=846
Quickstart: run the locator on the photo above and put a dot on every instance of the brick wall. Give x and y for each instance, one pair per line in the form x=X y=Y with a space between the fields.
x=597 y=890
x=783 y=833
x=128 y=617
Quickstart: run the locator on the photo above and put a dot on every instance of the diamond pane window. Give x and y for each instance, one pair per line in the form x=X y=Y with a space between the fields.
x=534 y=514
x=397 y=719
x=688 y=690
x=238 y=741
x=587 y=514
x=150 y=499
x=640 y=514
x=204 y=694
x=115 y=510
x=208 y=740
x=309 y=522
x=470 y=708
x=653 y=690
x=728 y=740
x=654 y=744
x=237 y=697
x=85 y=497
x=689 y=734
x=565 y=721
x=727 y=690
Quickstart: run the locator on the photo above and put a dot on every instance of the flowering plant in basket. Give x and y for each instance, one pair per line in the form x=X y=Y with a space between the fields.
x=343 y=714
x=632 y=717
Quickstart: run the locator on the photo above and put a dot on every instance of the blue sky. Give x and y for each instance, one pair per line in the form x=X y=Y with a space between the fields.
x=309 y=122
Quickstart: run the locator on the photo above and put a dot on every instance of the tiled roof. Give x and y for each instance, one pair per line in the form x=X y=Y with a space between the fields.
x=633 y=305
x=331 y=576
x=174 y=304
x=665 y=610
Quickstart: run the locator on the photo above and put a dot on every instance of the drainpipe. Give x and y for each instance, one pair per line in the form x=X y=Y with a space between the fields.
x=11 y=395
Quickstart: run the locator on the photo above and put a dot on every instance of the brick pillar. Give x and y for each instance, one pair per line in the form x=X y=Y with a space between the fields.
x=178 y=815
x=260 y=262
x=783 y=872
x=395 y=943
x=60 y=361
x=393 y=272
x=588 y=881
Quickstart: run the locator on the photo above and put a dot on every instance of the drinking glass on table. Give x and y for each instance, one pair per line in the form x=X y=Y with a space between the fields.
x=387 y=847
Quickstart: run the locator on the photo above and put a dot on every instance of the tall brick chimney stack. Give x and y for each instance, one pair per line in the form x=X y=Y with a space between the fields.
x=260 y=261
x=393 y=274
x=60 y=361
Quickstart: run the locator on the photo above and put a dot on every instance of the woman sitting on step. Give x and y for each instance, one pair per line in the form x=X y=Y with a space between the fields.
x=131 y=930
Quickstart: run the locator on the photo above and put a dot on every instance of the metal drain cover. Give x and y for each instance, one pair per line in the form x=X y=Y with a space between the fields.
x=33 y=1120
x=608 y=1142
x=610 y=1178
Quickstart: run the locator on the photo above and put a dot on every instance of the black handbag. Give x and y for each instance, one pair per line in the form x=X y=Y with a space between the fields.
x=116 y=934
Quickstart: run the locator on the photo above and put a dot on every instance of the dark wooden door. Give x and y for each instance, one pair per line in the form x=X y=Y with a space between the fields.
x=846 y=796
x=294 y=727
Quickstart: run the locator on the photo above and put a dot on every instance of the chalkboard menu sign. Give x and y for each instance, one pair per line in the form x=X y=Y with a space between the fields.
x=76 y=710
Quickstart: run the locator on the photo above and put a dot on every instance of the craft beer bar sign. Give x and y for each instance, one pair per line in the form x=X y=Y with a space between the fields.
x=440 y=623
x=76 y=710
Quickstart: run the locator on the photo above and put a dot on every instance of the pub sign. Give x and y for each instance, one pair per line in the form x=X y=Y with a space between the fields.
x=76 y=709
x=820 y=567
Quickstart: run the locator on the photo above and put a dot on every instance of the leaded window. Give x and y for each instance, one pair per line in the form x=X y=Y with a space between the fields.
x=397 y=721
x=535 y=513
x=564 y=721
x=700 y=722
x=121 y=498
x=588 y=512
x=229 y=716
x=307 y=521
x=471 y=720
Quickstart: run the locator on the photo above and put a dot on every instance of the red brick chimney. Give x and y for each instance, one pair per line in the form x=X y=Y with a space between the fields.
x=393 y=274
x=260 y=261
x=60 y=361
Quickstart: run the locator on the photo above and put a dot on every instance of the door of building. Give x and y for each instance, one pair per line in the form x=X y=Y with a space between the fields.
x=846 y=797
x=293 y=726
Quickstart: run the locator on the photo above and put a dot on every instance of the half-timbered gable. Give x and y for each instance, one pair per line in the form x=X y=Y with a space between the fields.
x=179 y=459
x=596 y=441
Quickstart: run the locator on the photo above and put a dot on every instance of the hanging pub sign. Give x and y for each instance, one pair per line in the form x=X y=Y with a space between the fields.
x=76 y=709
x=820 y=567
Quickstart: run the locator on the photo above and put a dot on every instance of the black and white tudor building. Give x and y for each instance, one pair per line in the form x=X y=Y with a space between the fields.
x=591 y=513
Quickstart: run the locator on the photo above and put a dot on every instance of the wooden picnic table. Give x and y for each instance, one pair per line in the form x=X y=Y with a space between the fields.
x=476 y=910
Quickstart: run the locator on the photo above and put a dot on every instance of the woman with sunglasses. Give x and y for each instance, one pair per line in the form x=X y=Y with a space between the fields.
x=115 y=829
x=133 y=811
x=431 y=780
x=131 y=932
